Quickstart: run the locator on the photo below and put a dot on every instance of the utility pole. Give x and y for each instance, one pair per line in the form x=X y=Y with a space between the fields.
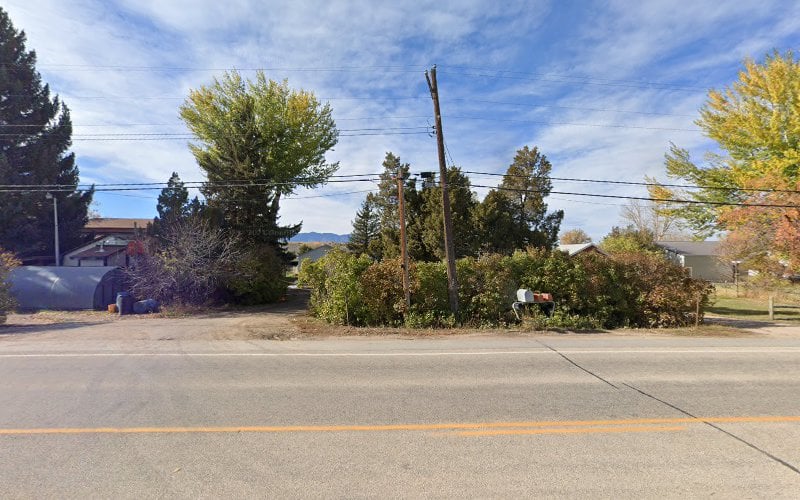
x=449 y=250
x=403 y=240
x=55 y=225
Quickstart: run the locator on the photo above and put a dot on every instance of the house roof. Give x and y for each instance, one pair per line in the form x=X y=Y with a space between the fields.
x=99 y=252
x=691 y=247
x=316 y=253
x=112 y=224
x=580 y=247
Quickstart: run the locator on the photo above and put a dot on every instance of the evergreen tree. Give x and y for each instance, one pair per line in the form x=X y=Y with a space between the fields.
x=36 y=134
x=526 y=184
x=498 y=231
x=462 y=207
x=173 y=202
x=365 y=238
x=387 y=204
x=174 y=206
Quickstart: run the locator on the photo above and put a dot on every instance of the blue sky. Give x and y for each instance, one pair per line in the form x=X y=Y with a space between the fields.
x=601 y=88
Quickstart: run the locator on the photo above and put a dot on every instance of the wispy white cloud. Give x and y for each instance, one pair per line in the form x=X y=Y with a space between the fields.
x=377 y=51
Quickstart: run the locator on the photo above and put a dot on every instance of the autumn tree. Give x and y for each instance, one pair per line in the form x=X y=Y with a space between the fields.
x=34 y=151
x=628 y=240
x=650 y=216
x=257 y=141
x=756 y=125
x=574 y=237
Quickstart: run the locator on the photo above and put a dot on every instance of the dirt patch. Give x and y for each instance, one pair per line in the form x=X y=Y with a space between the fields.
x=289 y=319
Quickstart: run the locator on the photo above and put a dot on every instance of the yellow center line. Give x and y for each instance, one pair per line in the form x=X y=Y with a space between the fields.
x=590 y=430
x=394 y=427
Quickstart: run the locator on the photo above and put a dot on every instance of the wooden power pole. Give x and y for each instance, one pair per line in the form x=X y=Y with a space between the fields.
x=449 y=250
x=403 y=239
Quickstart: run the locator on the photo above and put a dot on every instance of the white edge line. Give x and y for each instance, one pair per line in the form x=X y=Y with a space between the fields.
x=779 y=350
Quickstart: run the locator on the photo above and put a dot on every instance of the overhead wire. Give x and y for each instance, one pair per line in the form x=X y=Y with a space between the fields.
x=649 y=184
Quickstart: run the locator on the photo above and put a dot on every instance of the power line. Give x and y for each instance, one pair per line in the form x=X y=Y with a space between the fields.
x=650 y=184
x=159 y=186
x=188 y=137
x=660 y=200
x=184 y=134
x=336 y=178
x=579 y=108
x=580 y=80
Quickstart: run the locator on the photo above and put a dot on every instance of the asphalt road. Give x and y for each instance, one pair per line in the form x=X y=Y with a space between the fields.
x=571 y=416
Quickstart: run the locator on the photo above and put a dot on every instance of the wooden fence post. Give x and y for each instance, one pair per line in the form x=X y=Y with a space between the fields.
x=771 y=307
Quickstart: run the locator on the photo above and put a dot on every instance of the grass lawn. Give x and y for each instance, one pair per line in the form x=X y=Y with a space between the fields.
x=752 y=309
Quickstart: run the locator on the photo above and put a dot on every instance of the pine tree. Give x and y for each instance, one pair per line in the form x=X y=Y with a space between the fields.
x=387 y=204
x=173 y=202
x=365 y=238
x=526 y=184
x=462 y=207
x=36 y=134
x=174 y=206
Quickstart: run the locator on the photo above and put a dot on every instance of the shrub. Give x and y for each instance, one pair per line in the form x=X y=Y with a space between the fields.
x=590 y=291
x=194 y=264
x=7 y=263
x=383 y=297
x=336 y=291
x=261 y=277
x=430 y=305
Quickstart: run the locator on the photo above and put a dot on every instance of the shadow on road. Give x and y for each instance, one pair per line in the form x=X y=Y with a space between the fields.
x=36 y=328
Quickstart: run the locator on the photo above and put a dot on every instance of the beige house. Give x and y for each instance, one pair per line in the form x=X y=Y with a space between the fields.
x=701 y=259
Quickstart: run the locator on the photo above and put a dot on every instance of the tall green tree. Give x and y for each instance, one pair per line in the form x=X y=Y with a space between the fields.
x=462 y=207
x=498 y=231
x=174 y=206
x=36 y=136
x=527 y=183
x=257 y=141
x=387 y=204
x=366 y=235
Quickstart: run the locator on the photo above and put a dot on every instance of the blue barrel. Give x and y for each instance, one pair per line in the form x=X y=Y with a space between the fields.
x=124 y=303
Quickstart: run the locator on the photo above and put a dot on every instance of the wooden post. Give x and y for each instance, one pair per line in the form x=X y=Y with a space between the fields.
x=449 y=247
x=771 y=307
x=403 y=241
x=697 y=312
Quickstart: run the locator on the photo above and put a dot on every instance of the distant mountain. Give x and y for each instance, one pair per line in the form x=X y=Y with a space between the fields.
x=321 y=237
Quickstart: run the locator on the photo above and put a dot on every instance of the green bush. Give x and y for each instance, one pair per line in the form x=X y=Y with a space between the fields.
x=335 y=283
x=383 y=299
x=430 y=306
x=261 y=279
x=590 y=291
x=7 y=263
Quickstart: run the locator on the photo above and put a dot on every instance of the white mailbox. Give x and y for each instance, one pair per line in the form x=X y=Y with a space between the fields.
x=524 y=295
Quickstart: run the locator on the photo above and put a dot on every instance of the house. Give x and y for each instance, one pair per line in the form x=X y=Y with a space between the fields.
x=701 y=259
x=103 y=251
x=110 y=226
x=580 y=248
x=312 y=255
